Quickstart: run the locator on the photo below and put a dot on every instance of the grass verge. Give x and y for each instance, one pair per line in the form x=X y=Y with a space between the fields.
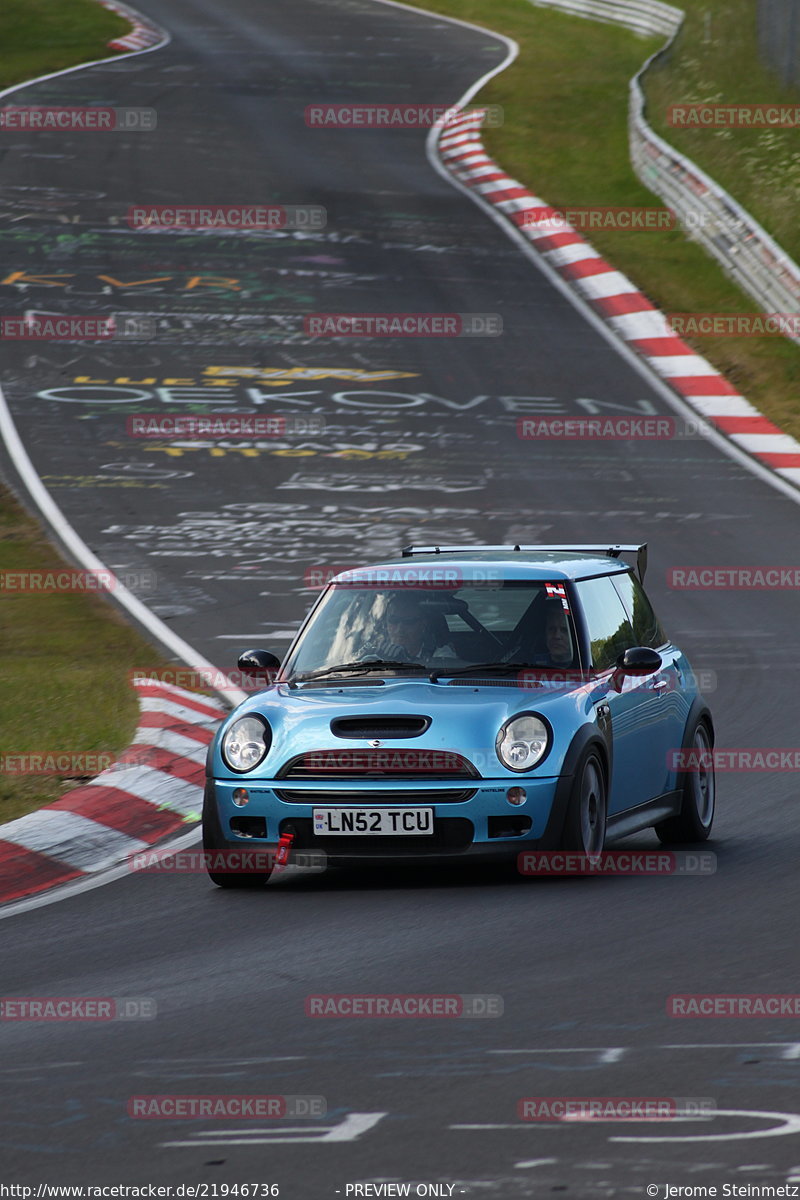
x=40 y=36
x=65 y=657
x=565 y=102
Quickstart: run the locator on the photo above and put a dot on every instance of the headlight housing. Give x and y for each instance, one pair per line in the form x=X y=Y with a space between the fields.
x=523 y=741
x=246 y=743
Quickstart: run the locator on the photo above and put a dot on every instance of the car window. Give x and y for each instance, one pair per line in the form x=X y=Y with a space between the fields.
x=647 y=628
x=610 y=632
x=497 y=620
x=499 y=607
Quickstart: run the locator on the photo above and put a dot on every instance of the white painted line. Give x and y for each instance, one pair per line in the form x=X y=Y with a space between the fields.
x=788 y=1123
x=348 y=1130
x=78 y=549
x=70 y=838
x=534 y=1162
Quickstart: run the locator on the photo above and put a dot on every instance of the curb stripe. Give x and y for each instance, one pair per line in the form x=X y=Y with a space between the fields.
x=160 y=720
x=630 y=314
x=154 y=789
x=123 y=812
x=23 y=871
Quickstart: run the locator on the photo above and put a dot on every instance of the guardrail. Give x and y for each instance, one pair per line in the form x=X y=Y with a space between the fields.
x=742 y=247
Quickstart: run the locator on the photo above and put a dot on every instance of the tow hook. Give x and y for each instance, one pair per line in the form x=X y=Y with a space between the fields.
x=284 y=850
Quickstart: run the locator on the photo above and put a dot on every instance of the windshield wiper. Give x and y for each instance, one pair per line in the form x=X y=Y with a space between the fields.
x=500 y=668
x=360 y=665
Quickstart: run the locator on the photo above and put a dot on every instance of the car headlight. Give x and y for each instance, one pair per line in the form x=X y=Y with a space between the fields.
x=246 y=743
x=523 y=742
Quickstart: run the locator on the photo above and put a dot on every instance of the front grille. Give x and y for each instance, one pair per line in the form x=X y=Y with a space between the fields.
x=385 y=726
x=450 y=835
x=374 y=796
x=386 y=763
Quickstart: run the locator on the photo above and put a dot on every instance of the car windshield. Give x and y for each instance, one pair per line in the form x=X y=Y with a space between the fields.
x=506 y=621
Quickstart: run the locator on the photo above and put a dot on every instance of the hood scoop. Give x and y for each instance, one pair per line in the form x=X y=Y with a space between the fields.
x=383 y=726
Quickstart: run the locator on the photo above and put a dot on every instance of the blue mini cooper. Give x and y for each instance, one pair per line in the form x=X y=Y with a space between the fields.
x=463 y=703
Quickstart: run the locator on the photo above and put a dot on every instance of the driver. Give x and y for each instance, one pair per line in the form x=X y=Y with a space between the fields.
x=410 y=632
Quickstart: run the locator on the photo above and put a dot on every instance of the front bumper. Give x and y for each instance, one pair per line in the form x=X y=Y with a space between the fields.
x=471 y=818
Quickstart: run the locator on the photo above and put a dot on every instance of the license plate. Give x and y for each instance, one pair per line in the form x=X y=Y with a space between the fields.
x=383 y=822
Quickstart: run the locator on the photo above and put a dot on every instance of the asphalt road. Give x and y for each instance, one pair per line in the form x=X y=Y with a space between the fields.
x=217 y=538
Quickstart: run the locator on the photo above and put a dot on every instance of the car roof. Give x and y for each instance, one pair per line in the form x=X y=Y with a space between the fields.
x=525 y=563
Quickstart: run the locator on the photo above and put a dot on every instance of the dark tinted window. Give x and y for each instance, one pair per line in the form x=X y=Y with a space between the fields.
x=610 y=631
x=646 y=626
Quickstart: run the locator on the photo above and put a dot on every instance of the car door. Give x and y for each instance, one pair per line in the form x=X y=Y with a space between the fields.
x=639 y=731
x=671 y=710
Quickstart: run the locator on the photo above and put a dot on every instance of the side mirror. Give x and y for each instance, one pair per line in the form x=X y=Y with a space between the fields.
x=258 y=662
x=639 y=660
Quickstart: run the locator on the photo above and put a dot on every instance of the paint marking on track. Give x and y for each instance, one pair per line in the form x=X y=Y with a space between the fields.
x=348 y=1130
x=788 y=1123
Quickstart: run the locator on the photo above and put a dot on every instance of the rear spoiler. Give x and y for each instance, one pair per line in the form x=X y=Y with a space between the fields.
x=596 y=548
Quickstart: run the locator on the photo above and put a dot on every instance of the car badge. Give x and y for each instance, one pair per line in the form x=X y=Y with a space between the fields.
x=375 y=743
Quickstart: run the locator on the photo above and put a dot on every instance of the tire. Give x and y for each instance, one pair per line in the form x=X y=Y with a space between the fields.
x=213 y=840
x=693 y=823
x=587 y=810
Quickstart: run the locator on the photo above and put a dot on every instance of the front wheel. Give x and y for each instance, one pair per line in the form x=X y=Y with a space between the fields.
x=585 y=825
x=693 y=823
